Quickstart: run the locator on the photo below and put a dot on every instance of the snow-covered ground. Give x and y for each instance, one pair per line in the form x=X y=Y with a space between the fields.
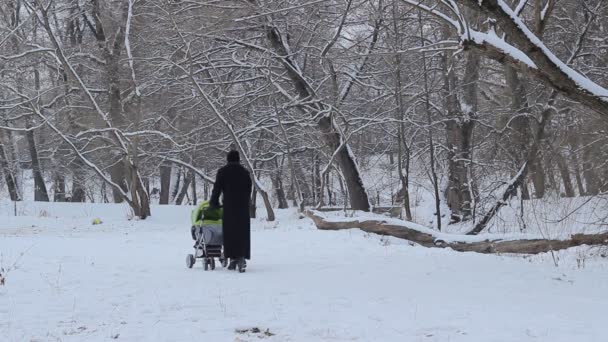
x=126 y=280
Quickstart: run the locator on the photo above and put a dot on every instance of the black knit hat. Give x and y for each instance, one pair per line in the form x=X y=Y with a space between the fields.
x=233 y=156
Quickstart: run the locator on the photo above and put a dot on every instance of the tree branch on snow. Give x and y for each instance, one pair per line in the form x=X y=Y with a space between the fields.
x=429 y=238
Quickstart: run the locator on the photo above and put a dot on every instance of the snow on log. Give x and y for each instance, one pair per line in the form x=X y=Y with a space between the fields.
x=427 y=237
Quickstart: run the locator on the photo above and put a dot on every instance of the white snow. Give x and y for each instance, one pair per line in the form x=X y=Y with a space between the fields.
x=127 y=280
x=499 y=43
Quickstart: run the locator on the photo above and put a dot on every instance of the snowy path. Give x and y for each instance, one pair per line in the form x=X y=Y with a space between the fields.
x=130 y=283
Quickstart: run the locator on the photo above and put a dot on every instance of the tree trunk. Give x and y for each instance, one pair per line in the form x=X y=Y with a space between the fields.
x=577 y=172
x=253 y=206
x=194 y=195
x=416 y=234
x=427 y=108
x=565 y=173
x=520 y=134
x=462 y=113
x=358 y=196
x=295 y=184
x=538 y=176
x=117 y=171
x=205 y=190
x=165 y=183
x=40 y=193
x=9 y=177
x=403 y=148
x=277 y=184
x=177 y=184
x=104 y=192
x=330 y=197
x=304 y=185
x=117 y=175
x=139 y=201
x=147 y=185
x=592 y=180
x=58 y=188
x=316 y=179
x=185 y=186
x=78 y=181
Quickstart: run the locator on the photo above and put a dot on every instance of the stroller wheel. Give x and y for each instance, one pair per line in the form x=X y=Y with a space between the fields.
x=206 y=263
x=190 y=260
x=212 y=263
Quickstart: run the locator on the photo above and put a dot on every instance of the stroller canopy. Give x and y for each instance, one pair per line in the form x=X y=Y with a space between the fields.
x=204 y=214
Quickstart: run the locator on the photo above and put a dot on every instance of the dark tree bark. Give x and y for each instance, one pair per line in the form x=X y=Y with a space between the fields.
x=9 y=177
x=165 y=183
x=298 y=195
x=78 y=193
x=112 y=55
x=104 y=192
x=193 y=184
x=577 y=175
x=205 y=190
x=550 y=177
x=117 y=175
x=565 y=174
x=78 y=181
x=307 y=192
x=177 y=184
x=459 y=131
x=520 y=134
x=76 y=166
x=427 y=108
x=59 y=188
x=253 y=206
x=147 y=185
x=403 y=148
x=184 y=190
x=277 y=184
x=573 y=143
x=592 y=180
x=539 y=177
x=40 y=192
x=316 y=179
x=330 y=196
x=139 y=202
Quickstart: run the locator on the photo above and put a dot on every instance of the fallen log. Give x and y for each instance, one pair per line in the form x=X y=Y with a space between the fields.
x=462 y=243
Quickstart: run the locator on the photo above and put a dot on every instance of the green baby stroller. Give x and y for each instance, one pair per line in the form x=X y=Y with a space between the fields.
x=206 y=231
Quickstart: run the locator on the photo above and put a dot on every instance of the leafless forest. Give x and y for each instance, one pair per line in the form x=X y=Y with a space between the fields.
x=137 y=101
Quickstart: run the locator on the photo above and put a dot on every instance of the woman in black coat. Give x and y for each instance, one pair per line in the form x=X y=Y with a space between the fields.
x=234 y=182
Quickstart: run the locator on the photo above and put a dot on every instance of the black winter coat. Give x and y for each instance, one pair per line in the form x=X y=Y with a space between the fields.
x=234 y=182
